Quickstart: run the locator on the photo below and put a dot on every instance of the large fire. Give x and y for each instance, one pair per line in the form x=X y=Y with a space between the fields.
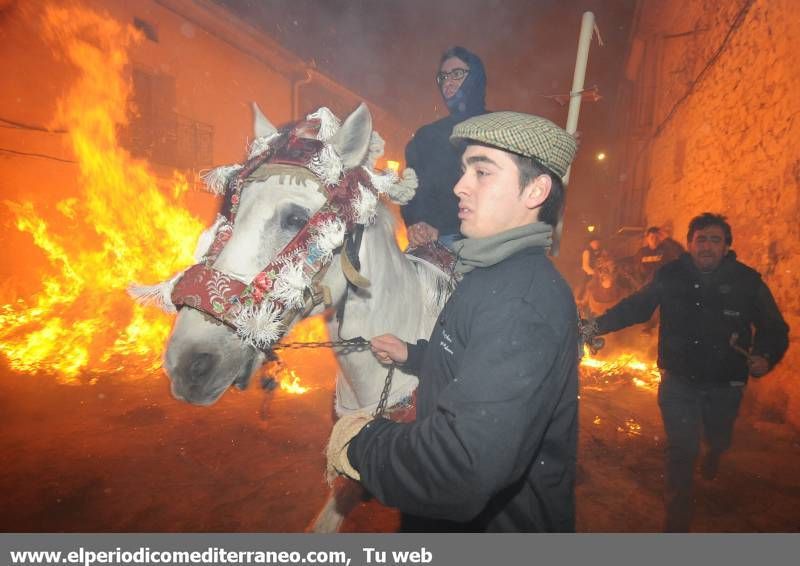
x=124 y=226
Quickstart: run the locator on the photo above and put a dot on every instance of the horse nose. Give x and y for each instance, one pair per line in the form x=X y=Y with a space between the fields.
x=201 y=365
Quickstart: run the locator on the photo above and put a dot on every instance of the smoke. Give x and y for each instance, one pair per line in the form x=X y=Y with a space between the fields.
x=389 y=51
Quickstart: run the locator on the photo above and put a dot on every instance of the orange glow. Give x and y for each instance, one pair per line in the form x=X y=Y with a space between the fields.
x=393 y=165
x=599 y=373
x=631 y=428
x=122 y=228
x=312 y=329
x=290 y=382
x=401 y=236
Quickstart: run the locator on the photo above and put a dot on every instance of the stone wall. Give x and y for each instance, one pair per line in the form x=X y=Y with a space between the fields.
x=725 y=137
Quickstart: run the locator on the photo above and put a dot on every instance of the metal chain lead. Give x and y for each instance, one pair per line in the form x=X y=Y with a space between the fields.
x=387 y=385
x=357 y=344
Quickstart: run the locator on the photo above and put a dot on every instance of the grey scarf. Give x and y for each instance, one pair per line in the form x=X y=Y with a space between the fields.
x=483 y=252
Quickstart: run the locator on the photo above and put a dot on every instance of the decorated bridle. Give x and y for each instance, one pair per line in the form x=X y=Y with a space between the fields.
x=261 y=310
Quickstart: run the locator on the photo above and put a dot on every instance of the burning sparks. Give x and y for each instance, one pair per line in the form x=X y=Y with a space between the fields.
x=631 y=428
x=600 y=374
x=121 y=228
x=607 y=375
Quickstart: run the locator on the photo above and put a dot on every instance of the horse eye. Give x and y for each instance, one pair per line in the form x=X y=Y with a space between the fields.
x=294 y=218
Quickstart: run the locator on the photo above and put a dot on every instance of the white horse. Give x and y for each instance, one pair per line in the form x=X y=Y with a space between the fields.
x=205 y=357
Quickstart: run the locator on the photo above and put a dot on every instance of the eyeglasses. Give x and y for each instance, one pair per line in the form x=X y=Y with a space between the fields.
x=455 y=74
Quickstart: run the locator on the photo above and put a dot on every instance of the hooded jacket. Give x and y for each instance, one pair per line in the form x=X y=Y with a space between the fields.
x=699 y=315
x=436 y=161
x=494 y=444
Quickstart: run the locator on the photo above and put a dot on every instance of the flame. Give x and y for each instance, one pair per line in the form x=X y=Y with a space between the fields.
x=597 y=373
x=311 y=329
x=122 y=227
x=291 y=386
x=604 y=375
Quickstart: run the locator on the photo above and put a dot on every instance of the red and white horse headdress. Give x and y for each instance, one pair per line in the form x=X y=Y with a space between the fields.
x=261 y=310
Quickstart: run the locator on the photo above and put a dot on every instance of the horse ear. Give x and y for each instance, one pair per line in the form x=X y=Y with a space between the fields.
x=351 y=142
x=261 y=126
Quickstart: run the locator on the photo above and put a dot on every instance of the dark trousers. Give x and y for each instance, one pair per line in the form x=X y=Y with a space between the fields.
x=690 y=412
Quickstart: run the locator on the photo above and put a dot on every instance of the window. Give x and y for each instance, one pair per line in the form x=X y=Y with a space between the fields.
x=159 y=134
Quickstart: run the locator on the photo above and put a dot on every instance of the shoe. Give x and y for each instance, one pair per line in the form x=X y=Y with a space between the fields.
x=710 y=465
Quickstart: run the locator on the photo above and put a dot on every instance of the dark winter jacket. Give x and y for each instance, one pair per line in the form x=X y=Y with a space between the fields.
x=436 y=161
x=494 y=444
x=648 y=261
x=438 y=166
x=699 y=315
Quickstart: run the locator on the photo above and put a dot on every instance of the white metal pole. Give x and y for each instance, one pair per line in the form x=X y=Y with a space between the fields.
x=575 y=95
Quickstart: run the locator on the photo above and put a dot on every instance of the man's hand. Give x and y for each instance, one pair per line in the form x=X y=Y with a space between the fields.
x=343 y=432
x=389 y=348
x=421 y=233
x=759 y=366
x=587 y=327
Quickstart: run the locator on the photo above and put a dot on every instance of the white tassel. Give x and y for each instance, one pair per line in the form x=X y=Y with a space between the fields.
x=365 y=206
x=329 y=123
x=403 y=191
x=206 y=239
x=330 y=236
x=259 y=325
x=375 y=151
x=159 y=295
x=217 y=179
x=260 y=145
x=382 y=182
x=290 y=285
x=327 y=165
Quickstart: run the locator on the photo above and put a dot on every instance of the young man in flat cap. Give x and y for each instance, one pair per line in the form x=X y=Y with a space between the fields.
x=494 y=444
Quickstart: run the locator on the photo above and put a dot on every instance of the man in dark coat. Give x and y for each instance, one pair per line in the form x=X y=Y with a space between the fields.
x=433 y=212
x=710 y=303
x=494 y=444
x=650 y=256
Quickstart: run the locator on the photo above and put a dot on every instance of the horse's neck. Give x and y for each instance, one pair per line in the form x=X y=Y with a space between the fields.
x=396 y=297
x=394 y=303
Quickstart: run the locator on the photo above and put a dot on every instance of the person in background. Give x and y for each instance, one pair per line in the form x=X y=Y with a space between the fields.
x=650 y=256
x=672 y=249
x=433 y=212
x=589 y=260
x=719 y=325
x=494 y=444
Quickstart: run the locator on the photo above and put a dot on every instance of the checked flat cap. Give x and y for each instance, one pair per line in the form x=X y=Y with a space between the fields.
x=524 y=134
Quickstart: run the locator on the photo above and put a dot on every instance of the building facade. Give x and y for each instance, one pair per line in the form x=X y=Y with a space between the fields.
x=712 y=123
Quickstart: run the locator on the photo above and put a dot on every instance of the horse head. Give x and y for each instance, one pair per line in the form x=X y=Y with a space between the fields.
x=285 y=216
